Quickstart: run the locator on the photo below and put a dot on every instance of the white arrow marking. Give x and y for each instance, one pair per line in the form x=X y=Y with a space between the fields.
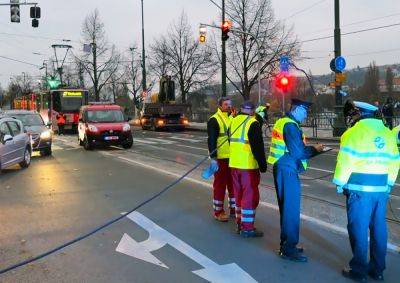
x=158 y=238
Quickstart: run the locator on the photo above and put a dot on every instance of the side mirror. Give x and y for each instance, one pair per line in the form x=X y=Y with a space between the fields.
x=7 y=138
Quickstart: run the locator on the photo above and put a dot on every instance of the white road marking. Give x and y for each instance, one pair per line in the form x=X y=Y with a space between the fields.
x=158 y=238
x=56 y=147
x=145 y=141
x=316 y=221
x=192 y=147
x=185 y=139
x=161 y=140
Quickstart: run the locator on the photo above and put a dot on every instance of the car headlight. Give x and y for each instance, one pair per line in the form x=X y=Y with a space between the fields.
x=92 y=128
x=45 y=135
x=126 y=128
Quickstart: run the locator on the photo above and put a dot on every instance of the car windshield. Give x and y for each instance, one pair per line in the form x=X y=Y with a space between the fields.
x=105 y=116
x=29 y=120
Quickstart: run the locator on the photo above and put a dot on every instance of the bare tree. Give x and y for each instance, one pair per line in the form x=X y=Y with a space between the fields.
x=189 y=63
x=104 y=58
x=255 y=17
x=159 y=61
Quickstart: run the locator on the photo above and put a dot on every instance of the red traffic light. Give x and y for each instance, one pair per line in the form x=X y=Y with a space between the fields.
x=283 y=82
x=226 y=26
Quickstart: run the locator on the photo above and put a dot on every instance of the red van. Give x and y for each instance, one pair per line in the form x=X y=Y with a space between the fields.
x=103 y=124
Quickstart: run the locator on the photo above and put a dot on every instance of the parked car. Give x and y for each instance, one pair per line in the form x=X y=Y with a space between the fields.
x=15 y=144
x=34 y=125
x=103 y=124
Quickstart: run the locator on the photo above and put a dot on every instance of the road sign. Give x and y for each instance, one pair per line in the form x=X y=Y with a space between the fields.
x=340 y=78
x=284 y=63
x=340 y=63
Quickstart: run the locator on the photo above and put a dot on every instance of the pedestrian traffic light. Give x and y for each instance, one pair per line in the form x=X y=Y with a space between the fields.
x=15 y=11
x=225 y=27
x=203 y=33
x=283 y=82
x=35 y=23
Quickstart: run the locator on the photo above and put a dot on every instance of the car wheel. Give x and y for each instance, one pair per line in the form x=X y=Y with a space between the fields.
x=27 y=158
x=127 y=145
x=86 y=144
x=46 y=152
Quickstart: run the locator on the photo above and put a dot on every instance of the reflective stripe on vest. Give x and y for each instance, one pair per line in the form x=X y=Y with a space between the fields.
x=241 y=156
x=278 y=145
x=222 y=141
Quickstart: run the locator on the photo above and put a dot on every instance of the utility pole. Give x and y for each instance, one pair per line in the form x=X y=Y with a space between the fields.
x=144 y=83
x=95 y=78
x=223 y=53
x=339 y=126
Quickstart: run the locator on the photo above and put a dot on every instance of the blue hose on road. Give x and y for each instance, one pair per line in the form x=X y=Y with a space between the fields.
x=109 y=223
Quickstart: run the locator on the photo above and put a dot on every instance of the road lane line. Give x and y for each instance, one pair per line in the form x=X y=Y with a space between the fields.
x=316 y=221
x=185 y=139
x=192 y=147
x=145 y=141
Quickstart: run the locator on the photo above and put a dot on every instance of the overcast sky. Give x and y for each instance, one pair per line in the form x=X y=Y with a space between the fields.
x=62 y=19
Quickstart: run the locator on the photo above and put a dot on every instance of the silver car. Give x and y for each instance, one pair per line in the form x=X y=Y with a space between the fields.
x=15 y=144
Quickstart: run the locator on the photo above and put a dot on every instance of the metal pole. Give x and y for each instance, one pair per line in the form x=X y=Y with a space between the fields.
x=144 y=83
x=338 y=49
x=223 y=54
x=338 y=126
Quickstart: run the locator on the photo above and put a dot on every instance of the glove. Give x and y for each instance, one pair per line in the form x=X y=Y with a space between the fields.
x=210 y=170
x=339 y=189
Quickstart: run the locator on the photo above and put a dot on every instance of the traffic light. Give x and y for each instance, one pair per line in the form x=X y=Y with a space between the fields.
x=283 y=82
x=35 y=12
x=15 y=11
x=225 y=27
x=203 y=33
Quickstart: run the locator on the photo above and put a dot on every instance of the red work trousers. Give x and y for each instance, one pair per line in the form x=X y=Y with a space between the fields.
x=223 y=182
x=245 y=184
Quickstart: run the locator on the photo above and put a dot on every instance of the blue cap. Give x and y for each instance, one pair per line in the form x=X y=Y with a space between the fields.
x=248 y=105
x=365 y=107
x=298 y=102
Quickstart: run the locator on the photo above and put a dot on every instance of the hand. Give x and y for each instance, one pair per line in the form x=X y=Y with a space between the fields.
x=214 y=162
x=319 y=147
x=339 y=189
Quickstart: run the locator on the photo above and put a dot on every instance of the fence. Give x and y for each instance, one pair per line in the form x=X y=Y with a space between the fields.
x=319 y=123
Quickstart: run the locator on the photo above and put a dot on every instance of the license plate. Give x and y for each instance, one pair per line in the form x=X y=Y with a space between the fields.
x=112 y=138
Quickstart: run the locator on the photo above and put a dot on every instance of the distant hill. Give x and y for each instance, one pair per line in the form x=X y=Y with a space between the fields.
x=355 y=77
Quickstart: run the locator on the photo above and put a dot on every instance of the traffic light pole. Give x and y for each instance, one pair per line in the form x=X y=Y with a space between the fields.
x=338 y=125
x=223 y=54
x=144 y=82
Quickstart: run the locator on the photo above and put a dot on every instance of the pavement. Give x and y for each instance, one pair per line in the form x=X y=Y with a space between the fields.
x=174 y=238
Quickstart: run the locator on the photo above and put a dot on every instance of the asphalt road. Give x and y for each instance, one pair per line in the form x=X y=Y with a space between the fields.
x=64 y=196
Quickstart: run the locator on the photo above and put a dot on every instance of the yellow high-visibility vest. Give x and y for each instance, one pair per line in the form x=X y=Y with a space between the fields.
x=368 y=159
x=224 y=121
x=278 y=145
x=241 y=156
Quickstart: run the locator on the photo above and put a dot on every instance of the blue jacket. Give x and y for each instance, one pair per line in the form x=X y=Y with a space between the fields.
x=297 y=150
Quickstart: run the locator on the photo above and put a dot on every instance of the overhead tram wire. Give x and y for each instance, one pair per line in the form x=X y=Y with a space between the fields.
x=19 y=61
x=350 y=33
x=305 y=9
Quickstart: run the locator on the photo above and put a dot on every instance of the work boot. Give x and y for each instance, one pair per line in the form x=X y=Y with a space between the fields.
x=251 y=233
x=296 y=257
x=349 y=273
x=222 y=217
x=300 y=250
x=376 y=276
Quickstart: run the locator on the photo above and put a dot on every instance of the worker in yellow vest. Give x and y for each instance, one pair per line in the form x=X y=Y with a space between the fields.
x=367 y=167
x=289 y=155
x=218 y=146
x=247 y=160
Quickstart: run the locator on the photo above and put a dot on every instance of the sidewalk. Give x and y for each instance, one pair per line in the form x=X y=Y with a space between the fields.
x=322 y=134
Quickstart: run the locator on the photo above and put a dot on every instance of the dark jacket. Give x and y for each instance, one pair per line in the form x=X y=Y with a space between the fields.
x=213 y=133
x=257 y=145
